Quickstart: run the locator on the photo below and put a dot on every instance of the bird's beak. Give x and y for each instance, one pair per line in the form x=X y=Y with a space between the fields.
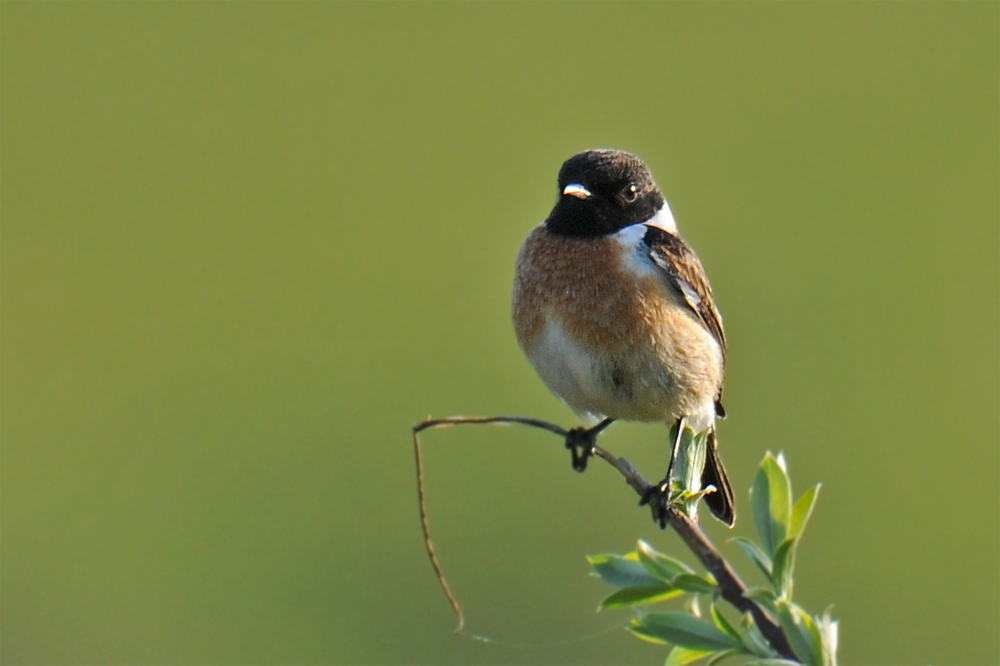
x=578 y=191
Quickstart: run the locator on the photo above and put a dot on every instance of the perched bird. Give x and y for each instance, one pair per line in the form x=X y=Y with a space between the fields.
x=615 y=312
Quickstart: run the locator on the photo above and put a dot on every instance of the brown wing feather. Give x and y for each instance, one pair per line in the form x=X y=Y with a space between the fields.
x=687 y=276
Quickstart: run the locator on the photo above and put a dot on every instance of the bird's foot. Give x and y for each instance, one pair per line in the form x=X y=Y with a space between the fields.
x=665 y=496
x=659 y=497
x=580 y=442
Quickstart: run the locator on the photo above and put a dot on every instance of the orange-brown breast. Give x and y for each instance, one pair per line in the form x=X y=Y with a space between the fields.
x=582 y=279
x=633 y=320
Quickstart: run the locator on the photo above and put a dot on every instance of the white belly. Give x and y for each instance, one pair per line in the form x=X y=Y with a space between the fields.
x=630 y=385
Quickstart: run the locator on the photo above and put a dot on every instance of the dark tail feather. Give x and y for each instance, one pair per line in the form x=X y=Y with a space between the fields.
x=721 y=503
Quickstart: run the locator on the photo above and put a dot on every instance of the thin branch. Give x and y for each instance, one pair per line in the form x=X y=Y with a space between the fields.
x=729 y=582
x=732 y=587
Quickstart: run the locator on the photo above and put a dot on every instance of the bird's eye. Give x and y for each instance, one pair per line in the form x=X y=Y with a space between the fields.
x=630 y=193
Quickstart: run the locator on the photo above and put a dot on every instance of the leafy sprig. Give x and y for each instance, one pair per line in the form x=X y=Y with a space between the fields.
x=648 y=576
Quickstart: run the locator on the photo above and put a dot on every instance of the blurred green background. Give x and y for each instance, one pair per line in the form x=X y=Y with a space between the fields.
x=246 y=245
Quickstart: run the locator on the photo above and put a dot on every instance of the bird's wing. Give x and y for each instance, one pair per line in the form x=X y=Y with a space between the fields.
x=685 y=274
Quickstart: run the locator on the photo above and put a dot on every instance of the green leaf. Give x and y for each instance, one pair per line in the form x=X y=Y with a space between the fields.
x=764 y=597
x=682 y=629
x=722 y=623
x=640 y=594
x=784 y=562
x=754 y=641
x=693 y=447
x=673 y=432
x=719 y=656
x=758 y=556
x=662 y=566
x=802 y=510
x=802 y=632
x=687 y=468
x=694 y=584
x=771 y=503
x=622 y=571
x=679 y=656
x=772 y=662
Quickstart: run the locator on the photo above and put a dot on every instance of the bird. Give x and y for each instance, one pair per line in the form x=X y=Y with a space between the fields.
x=615 y=313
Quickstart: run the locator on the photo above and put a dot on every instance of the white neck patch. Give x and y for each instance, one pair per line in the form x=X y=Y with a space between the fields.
x=663 y=219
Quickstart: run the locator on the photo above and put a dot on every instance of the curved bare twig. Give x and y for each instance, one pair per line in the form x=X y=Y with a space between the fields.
x=733 y=589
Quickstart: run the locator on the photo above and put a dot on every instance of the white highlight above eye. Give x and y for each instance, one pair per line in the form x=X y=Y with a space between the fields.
x=578 y=191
